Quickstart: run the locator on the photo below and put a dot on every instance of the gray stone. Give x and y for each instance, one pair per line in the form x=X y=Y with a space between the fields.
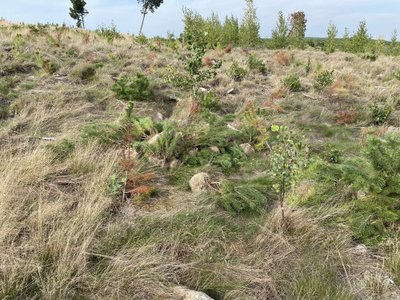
x=214 y=149
x=199 y=182
x=186 y=294
x=247 y=149
x=174 y=164
x=153 y=140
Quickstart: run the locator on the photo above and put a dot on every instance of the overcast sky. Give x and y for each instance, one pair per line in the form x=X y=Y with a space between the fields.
x=382 y=16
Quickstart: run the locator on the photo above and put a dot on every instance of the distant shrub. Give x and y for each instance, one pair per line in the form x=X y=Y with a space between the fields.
x=380 y=113
x=110 y=33
x=141 y=39
x=292 y=82
x=256 y=64
x=194 y=74
x=132 y=88
x=236 y=72
x=38 y=28
x=370 y=56
x=323 y=79
x=84 y=71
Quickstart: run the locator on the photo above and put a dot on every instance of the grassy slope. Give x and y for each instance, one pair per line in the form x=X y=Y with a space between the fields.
x=63 y=237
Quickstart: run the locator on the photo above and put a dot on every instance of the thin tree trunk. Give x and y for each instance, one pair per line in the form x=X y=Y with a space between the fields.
x=83 y=22
x=141 y=26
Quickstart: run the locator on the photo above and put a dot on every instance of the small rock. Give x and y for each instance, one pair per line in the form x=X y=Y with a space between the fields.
x=230 y=126
x=156 y=161
x=174 y=164
x=186 y=294
x=199 y=182
x=153 y=140
x=393 y=130
x=193 y=152
x=214 y=149
x=202 y=89
x=231 y=92
x=247 y=149
x=361 y=195
x=131 y=153
x=360 y=249
x=174 y=98
x=160 y=116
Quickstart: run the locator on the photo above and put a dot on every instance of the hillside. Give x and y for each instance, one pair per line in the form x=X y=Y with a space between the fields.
x=122 y=180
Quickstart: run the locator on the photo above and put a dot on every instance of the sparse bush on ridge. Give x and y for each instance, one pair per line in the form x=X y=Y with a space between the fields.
x=110 y=33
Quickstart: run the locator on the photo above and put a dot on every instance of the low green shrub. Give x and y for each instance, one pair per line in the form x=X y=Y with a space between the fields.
x=243 y=197
x=141 y=39
x=168 y=146
x=369 y=186
x=292 y=82
x=370 y=56
x=132 y=88
x=236 y=72
x=84 y=71
x=110 y=33
x=379 y=113
x=209 y=100
x=256 y=64
x=109 y=134
x=46 y=65
x=194 y=74
x=323 y=79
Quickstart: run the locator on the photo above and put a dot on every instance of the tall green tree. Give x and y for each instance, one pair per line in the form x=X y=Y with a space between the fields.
x=346 y=41
x=298 y=26
x=250 y=27
x=148 y=6
x=360 y=39
x=230 y=31
x=280 y=35
x=394 y=48
x=330 y=45
x=78 y=12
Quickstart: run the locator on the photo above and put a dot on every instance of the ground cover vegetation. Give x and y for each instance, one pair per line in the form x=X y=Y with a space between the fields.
x=217 y=161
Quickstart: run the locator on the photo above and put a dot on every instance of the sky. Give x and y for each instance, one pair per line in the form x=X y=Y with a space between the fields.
x=382 y=16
